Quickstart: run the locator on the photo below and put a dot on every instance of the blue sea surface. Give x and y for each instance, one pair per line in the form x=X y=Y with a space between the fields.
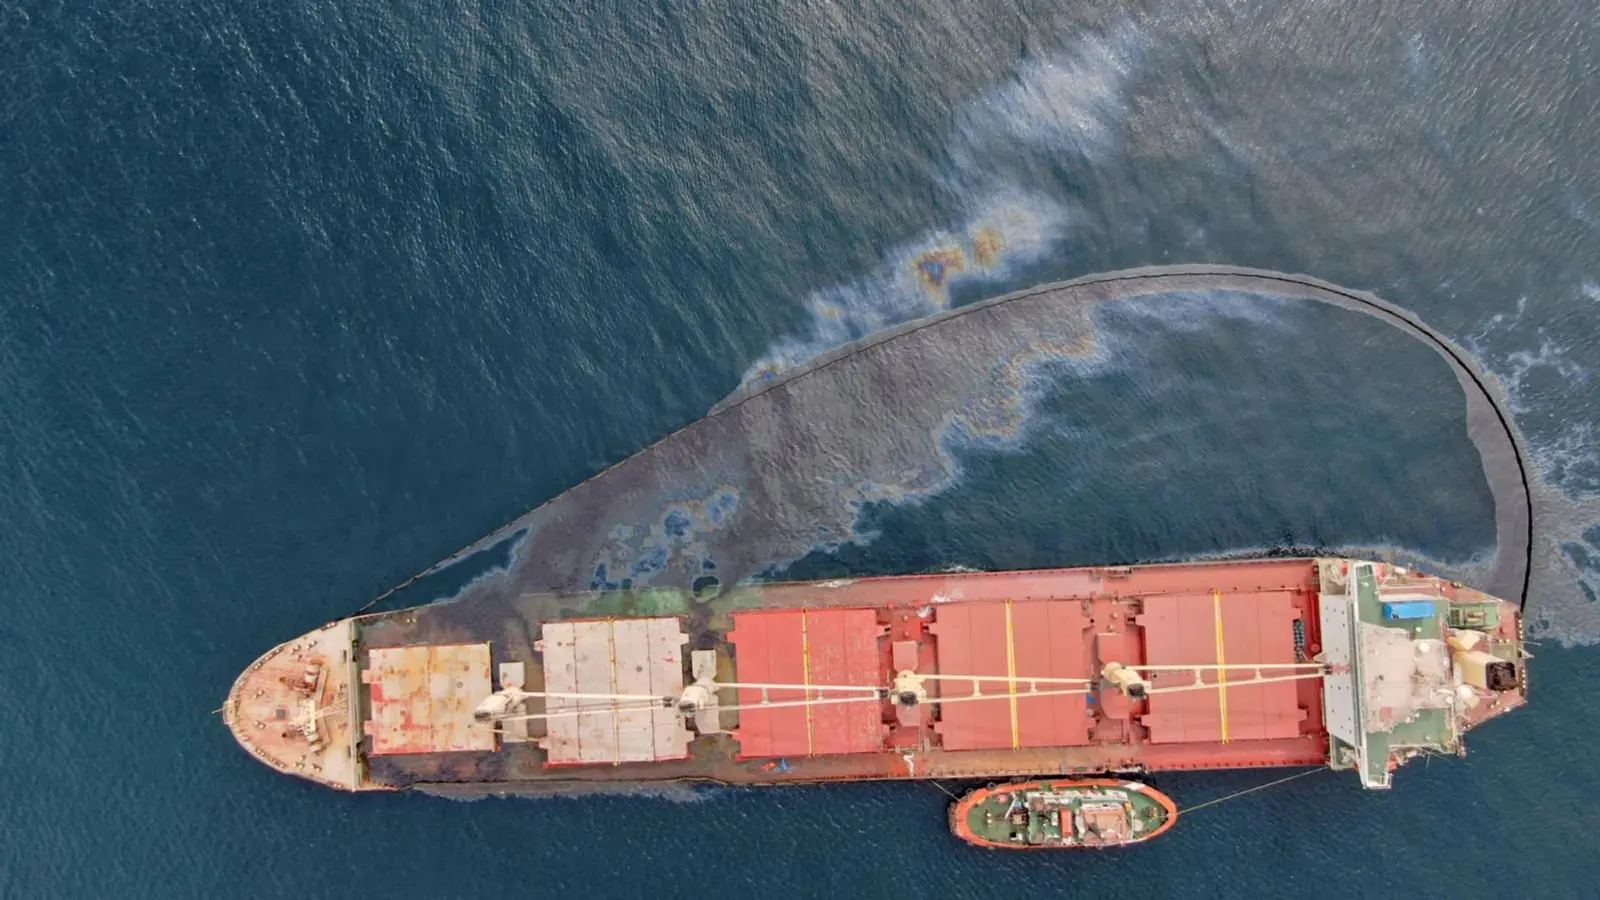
x=298 y=298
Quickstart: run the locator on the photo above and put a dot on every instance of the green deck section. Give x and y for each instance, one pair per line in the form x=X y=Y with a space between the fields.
x=1369 y=608
x=1429 y=729
x=631 y=603
x=1474 y=615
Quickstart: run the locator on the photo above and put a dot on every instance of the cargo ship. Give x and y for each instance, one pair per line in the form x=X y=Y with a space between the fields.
x=1349 y=664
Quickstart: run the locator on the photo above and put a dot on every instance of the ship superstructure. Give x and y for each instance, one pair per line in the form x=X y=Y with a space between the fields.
x=1284 y=662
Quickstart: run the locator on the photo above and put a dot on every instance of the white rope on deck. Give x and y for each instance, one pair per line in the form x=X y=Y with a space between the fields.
x=875 y=693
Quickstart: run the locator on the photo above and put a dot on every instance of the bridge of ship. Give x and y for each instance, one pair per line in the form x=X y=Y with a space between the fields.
x=904 y=670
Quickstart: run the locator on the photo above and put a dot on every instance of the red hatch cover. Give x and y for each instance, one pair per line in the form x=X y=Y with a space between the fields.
x=1226 y=628
x=815 y=647
x=1001 y=639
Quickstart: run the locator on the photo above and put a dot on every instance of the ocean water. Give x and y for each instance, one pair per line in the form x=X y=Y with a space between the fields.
x=297 y=299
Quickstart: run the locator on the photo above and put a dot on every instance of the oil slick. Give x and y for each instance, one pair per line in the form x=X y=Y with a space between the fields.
x=937 y=266
x=785 y=470
x=686 y=527
x=1066 y=108
x=981 y=250
x=802 y=467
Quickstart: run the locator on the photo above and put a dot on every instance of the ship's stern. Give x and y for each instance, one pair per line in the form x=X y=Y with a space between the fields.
x=1414 y=662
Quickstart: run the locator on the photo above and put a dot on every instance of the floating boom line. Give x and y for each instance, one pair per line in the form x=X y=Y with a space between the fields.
x=1490 y=425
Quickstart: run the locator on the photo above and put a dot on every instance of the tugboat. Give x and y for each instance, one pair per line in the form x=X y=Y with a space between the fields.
x=1070 y=814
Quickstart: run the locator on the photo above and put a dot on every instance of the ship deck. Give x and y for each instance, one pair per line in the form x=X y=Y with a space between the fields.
x=1001 y=634
x=292 y=709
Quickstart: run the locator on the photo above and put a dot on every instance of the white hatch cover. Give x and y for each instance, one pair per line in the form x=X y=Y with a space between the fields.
x=638 y=657
x=1339 y=688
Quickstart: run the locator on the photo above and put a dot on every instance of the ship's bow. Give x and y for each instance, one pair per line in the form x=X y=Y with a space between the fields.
x=295 y=708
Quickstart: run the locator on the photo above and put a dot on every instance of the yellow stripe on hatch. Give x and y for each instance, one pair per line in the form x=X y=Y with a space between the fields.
x=1222 y=660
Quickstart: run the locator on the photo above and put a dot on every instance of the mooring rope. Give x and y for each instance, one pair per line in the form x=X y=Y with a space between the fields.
x=1259 y=787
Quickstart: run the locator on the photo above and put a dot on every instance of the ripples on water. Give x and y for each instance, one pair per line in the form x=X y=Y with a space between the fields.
x=1068 y=111
x=296 y=296
x=1067 y=108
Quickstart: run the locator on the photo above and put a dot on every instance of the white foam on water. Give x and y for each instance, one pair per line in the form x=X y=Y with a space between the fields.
x=1549 y=356
x=1418 y=58
x=1541 y=377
